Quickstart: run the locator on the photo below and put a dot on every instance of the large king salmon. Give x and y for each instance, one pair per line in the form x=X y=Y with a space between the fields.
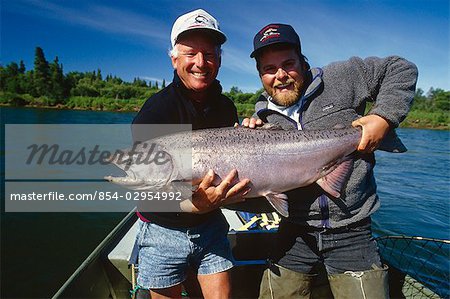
x=275 y=160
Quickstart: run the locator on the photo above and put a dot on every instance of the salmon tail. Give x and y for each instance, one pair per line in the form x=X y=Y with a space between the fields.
x=333 y=182
x=392 y=143
x=279 y=202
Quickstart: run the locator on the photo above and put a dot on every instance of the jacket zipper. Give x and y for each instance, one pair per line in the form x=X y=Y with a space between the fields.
x=323 y=199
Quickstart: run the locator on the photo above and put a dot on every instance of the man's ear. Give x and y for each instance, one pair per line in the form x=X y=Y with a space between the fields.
x=174 y=61
x=257 y=68
x=305 y=66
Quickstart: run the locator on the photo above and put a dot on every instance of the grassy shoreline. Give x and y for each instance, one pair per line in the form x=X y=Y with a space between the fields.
x=426 y=120
x=415 y=119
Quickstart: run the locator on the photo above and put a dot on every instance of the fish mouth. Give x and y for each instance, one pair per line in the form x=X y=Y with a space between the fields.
x=136 y=184
x=128 y=180
x=132 y=181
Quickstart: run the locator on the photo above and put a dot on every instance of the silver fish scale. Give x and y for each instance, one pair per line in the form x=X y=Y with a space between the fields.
x=269 y=141
x=274 y=160
x=255 y=141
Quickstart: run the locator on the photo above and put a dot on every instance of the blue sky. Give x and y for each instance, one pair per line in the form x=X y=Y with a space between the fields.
x=131 y=38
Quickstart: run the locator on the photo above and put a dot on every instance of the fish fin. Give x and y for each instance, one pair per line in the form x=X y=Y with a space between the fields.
x=392 y=143
x=279 y=202
x=333 y=182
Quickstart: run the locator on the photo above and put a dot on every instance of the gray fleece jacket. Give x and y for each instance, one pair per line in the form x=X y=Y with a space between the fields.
x=337 y=95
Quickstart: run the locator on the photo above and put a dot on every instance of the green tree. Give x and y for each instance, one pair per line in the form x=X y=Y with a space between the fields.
x=420 y=102
x=139 y=82
x=163 y=84
x=99 y=75
x=256 y=96
x=28 y=82
x=2 y=77
x=419 y=95
x=85 y=88
x=235 y=90
x=239 y=97
x=41 y=80
x=11 y=78
x=117 y=80
x=71 y=80
x=21 y=67
x=442 y=100
x=57 y=80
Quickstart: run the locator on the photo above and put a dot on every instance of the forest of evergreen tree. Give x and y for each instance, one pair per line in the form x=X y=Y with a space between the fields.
x=46 y=85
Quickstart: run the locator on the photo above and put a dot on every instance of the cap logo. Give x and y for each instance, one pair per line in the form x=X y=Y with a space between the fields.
x=201 y=21
x=270 y=33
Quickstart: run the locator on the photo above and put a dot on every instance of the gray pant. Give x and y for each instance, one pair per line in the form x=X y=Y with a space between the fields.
x=303 y=249
x=349 y=255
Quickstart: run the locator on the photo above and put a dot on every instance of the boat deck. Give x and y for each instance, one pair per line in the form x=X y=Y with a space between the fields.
x=106 y=273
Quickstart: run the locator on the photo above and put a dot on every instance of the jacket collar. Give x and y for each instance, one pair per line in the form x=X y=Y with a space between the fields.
x=213 y=91
x=212 y=102
x=295 y=111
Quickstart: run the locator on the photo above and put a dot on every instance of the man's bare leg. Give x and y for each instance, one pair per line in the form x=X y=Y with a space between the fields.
x=216 y=286
x=172 y=292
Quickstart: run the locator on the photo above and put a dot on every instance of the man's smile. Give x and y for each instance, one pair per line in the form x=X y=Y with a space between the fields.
x=288 y=86
x=199 y=75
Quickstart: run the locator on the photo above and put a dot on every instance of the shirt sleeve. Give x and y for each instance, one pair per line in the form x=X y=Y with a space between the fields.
x=391 y=82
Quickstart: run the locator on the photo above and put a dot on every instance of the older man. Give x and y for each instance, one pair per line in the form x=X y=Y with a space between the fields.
x=170 y=243
x=322 y=230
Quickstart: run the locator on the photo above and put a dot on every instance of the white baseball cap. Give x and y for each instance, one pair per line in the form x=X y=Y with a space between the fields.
x=197 y=19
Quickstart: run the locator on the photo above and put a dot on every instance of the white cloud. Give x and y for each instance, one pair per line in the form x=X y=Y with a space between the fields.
x=97 y=17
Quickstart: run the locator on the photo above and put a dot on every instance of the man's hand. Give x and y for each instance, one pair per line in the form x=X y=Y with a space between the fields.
x=208 y=197
x=252 y=122
x=374 y=128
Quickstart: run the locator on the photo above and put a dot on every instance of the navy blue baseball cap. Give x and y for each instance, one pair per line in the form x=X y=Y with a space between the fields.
x=275 y=34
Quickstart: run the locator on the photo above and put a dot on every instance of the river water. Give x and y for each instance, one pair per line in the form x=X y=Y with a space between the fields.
x=39 y=251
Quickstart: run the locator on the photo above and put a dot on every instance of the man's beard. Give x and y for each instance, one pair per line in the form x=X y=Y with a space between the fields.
x=287 y=98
